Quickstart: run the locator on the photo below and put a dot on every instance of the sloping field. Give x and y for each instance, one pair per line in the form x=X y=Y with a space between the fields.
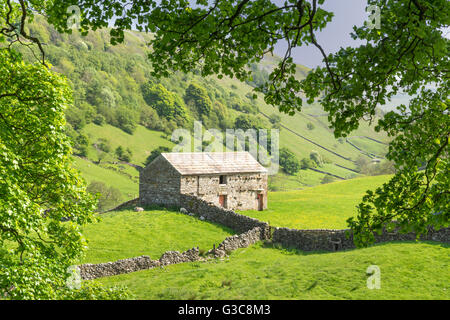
x=141 y=142
x=126 y=234
x=92 y=172
x=323 y=207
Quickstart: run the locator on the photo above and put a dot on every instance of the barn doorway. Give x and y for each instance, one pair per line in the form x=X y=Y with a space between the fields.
x=223 y=201
x=260 y=202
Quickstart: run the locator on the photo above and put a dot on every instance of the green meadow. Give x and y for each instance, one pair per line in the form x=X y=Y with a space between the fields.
x=141 y=142
x=93 y=172
x=408 y=271
x=325 y=206
x=125 y=234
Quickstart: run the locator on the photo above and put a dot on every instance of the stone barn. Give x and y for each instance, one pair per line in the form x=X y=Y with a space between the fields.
x=233 y=180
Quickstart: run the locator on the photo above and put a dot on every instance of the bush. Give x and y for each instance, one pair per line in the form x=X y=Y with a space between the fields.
x=108 y=197
x=75 y=117
x=246 y=122
x=123 y=155
x=149 y=118
x=289 y=162
x=368 y=167
x=317 y=158
x=104 y=145
x=197 y=97
x=310 y=126
x=81 y=145
x=99 y=120
x=126 y=120
x=155 y=153
x=327 y=179
x=167 y=104
x=307 y=163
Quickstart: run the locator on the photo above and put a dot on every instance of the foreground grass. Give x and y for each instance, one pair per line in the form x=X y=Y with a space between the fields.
x=126 y=234
x=324 y=206
x=408 y=271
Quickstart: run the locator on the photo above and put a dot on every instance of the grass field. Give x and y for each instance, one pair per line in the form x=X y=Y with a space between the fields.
x=92 y=172
x=126 y=234
x=141 y=142
x=408 y=271
x=324 y=206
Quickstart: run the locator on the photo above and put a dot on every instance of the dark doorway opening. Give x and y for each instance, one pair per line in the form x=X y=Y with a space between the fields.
x=260 y=202
x=223 y=201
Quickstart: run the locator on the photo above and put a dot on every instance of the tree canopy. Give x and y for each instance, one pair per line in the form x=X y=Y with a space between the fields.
x=44 y=203
x=408 y=54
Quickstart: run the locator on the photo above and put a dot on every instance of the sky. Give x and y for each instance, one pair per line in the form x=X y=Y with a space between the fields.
x=336 y=34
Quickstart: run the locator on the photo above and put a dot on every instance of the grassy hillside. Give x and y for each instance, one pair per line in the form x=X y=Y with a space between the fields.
x=92 y=172
x=141 y=142
x=126 y=234
x=323 y=207
x=408 y=271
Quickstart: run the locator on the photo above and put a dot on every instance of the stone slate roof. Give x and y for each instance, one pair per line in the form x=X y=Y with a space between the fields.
x=197 y=163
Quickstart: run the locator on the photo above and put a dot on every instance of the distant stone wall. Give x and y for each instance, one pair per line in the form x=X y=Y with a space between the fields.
x=225 y=217
x=335 y=240
x=92 y=271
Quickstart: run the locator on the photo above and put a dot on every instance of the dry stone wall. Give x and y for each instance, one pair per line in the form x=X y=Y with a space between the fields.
x=125 y=205
x=334 y=240
x=251 y=231
x=225 y=217
x=234 y=242
x=92 y=271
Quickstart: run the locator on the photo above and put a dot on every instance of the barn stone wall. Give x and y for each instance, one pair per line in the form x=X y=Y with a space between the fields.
x=240 y=189
x=236 y=241
x=159 y=183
